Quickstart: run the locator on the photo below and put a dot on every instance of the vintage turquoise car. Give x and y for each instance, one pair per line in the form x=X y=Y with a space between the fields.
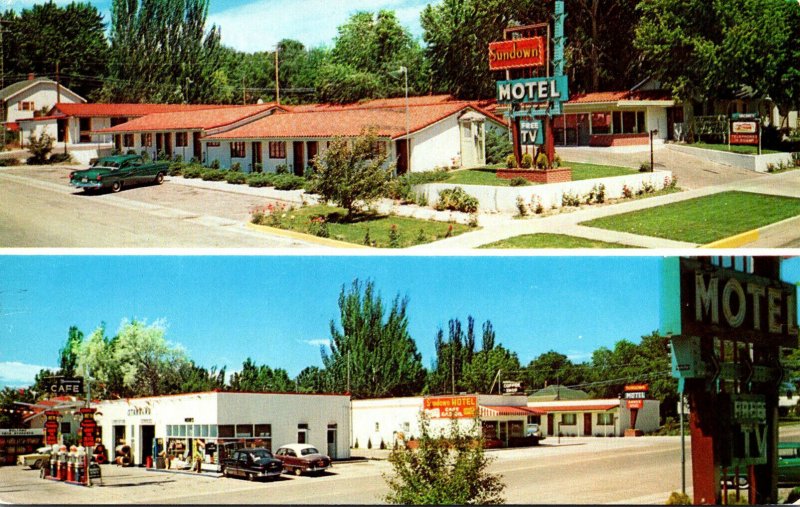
x=788 y=463
x=118 y=171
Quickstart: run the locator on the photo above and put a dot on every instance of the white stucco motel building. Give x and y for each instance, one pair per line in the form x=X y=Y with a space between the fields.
x=599 y=418
x=223 y=421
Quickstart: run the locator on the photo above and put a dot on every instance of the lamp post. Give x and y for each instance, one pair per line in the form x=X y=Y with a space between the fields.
x=652 y=133
x=404 y=70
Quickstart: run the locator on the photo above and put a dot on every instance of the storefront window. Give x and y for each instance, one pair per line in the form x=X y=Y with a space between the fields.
x=212 y=430
x=204 y=430
x=181 y=430
x=263 y=430
x=244 y=430
x=516 y=429
x=489 y=430
x=226 y=431
x=569 y=419
x=601 y=123
x=629 y=122
x=642 y=126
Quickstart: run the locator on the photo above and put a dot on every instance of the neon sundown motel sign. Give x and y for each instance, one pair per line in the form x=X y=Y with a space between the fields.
x=517 y=53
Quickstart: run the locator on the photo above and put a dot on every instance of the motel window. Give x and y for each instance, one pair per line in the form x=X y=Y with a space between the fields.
x=182 y=139
x=237 y=150
x=26 y=105
x=534 y=419
x=127 y=140
x=640 y=123
x=277 y=149
x=226 y=431
x=302 y=433
x=466 y=130
x=569 y=419
x=605 y=419
x=147 y=139
x=629 y=122
x=85 y=127
x=601 y=123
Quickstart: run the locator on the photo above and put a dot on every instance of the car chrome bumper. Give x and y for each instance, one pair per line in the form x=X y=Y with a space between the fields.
x=89 y=184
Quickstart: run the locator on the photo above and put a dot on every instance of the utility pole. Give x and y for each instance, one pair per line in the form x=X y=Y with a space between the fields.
x=58 y=83
x=2 y=85
x=277 y=80
x=244 y=97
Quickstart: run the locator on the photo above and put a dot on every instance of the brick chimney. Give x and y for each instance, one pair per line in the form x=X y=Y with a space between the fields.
x=31 y=76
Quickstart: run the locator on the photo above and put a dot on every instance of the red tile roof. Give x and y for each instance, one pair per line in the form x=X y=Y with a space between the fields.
x=205 y=119
x=599 y=97
x=388 y=119
x=127 y=110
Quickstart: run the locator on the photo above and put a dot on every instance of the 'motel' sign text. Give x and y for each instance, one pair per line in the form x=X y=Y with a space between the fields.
x=532 y=90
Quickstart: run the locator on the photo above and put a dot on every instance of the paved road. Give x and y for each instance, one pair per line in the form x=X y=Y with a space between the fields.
x=40 y=210
x=579 y=470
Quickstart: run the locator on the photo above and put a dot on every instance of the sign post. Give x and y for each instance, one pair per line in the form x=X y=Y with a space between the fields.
x=728 y=327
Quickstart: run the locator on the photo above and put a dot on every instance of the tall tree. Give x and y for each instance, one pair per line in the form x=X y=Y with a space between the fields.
x=194 y=379
x=458 y=33
x=69 y=354
x=96 y=357
x=46 y=34
x=481 y=373
x=161 y=52
x=554 y=368
x=365 y=59
x=372 y=352
x=255 y=378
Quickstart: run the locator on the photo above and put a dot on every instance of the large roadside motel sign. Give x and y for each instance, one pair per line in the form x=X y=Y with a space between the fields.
x=728 y=327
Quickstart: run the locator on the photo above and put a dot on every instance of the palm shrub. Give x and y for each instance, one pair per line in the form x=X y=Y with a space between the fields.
x=445 y=469
x=39 y=147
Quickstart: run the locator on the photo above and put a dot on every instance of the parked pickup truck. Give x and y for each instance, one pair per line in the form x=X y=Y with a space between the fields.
x=252 y=464
x=117 y=171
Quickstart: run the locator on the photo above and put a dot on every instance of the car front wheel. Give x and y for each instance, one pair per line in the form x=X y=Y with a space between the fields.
x=116 y=186
x=159 y=178
x=251 y=477
x=298 y=471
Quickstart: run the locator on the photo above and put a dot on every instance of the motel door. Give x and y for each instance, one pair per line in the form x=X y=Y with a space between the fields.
x=313 y=148
x=299 y=159
x=551 y=423
x=256 y=155
x=196 y=148
x=402 y=158
x=332 y=441
x=587 y=425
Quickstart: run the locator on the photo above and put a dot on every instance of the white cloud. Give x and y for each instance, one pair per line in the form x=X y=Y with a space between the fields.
x=260 y=25
x=16 y=374
x=322 y=342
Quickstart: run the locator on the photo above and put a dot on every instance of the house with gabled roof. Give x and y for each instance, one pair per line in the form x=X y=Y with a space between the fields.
x=436 y=131
x=27 y=99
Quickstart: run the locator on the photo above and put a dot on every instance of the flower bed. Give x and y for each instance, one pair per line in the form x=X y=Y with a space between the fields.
x=555 y=175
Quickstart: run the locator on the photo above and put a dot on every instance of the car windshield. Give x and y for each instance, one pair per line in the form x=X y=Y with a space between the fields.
x=261 y=454
x=309 y=450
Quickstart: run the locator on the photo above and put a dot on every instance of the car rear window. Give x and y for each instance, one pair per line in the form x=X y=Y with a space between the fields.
x=309 y=450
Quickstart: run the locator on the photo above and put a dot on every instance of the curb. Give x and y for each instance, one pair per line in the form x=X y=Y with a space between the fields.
x=304 y=237
x=734 y=241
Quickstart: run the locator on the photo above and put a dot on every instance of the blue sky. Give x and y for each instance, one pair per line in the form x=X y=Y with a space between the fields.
x=277 y=309
x=257 y=25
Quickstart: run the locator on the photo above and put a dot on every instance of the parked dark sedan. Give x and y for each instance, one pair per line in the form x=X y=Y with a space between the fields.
x=302 y=458
x=114 y=172
x=252 y=464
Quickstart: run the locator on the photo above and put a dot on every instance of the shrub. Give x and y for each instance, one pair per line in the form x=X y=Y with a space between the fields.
x=282 y=169
x=600 y=193
x=644 y=167
x=676 y=498
x=214 y=164
x=646 y=188
x=288 y=182
x=193 y=171
x=39 y=147
x=527 y=161
x=421 y=199
x=796 y=158
x=541 y=161
x=259 y=180
x=538 y=208
x=145 y=156
x=456 y=199
x=627 y=193
x=161 y=155
x=258 y=167
x=235 y=177
x=497 y=146
x=176 y=168
x=7 y=162
x=473 y=220
x=237 y=167
x=443 y=469
x=522 y=208
x=367 y=240
x=60 y=158
x=394 y=240
x=213 y=175
x=421 y=236
x=556 y=161
x=570 y=199
x=511 y=162
x=318 y=226
x=519 y=182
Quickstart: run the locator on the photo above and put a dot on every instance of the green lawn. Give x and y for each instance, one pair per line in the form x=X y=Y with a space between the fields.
x=704 y=219
x=411 y=231
x=546 y=240
x=486 y=175
x=743 y=149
